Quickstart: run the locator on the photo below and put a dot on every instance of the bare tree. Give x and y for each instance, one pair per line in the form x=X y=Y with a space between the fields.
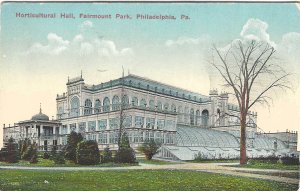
x=252 y=73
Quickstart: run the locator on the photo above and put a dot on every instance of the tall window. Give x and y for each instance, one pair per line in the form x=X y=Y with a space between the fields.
x=205 y=117
x=166 y=107
x=134 y=101
x=192 y=116
x=125 y=101
x=152 y=105
x=92 y=126
x=197 y=120
x=186 y=115
x=139 y=121
x=106 y=104
x=82 y=127
x=180 y=114
x=127 y=122
x=173 y=108
x=74 y=107
x=115 y=103
x=160 y=124
x=159 y=106
x=114 y=123
x=102 y=138
x=87 y=107
x=97 y=106
x=102 y=124
x=143 y=103
x=150 y=122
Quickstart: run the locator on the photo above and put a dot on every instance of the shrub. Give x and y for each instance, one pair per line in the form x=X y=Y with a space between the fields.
x=59 y=158
x=107 y=155
x=27 y=155
x=24 y=145
x=70 y=149
x=46 y=155
x=290 y=160
x=149 y=148
x=87 y=153
x=125 y=153
x=34 y=157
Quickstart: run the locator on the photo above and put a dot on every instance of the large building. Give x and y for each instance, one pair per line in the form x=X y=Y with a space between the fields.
x=188 y=124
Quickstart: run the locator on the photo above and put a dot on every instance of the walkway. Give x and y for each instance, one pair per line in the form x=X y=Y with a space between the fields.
x=221 y=168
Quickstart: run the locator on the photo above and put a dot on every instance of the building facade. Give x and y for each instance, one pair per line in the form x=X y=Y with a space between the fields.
x=185 y=122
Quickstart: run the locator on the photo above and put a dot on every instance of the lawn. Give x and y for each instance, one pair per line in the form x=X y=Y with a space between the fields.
x=264 y=165
x=49 y=163
x=131 y=180
x=155 y=162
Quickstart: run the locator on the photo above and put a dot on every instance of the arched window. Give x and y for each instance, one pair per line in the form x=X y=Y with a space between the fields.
x=106 y=105
x=198 y=119
x=166 y=107
x=173 y=108
x=125 y=101
x=115 y=103
x=87 y=107
x=205 y=117
x=135 y=101
x=143 y=103
x=192 y=116
x=152 y=105
x=74 y=107
x=159 y=106
x=97 y=106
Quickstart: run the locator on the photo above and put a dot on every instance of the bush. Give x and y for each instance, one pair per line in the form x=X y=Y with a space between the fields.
x=290 y=160
x=59 y=158
x=125 y=155
x=46 y=155
x=149 y=148
x=87 y=153
x=34 y=158
x=27 y=155
x=107 y=155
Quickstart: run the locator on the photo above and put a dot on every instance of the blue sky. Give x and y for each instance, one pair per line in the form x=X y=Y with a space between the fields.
x=37 y=55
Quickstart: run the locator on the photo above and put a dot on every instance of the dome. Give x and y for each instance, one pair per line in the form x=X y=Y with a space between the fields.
x=40 y=116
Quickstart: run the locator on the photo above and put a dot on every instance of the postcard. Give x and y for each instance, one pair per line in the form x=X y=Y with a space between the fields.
x=184 y=85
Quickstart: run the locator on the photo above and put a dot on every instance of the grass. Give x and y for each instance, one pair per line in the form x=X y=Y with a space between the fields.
x=155 y=162
x=49 y=163
x=264 y=165
x=132 y=180
x=280 y=174
x=215 y=161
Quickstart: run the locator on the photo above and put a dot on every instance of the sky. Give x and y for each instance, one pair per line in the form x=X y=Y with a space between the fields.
x=38 y=54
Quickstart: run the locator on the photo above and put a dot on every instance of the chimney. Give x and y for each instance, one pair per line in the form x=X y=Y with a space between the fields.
x=3 y=125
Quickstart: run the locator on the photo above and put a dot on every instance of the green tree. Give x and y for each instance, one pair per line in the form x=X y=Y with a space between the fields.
x=149 y=148
x=107 y=155
x=29 y=152
x=70 y=149
x=87 y=153
x=12 y=155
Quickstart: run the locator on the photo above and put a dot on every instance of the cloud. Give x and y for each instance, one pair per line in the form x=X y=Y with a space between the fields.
x=256 y=29
x=187 y=41
x=80 y=45
x=55 y=46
